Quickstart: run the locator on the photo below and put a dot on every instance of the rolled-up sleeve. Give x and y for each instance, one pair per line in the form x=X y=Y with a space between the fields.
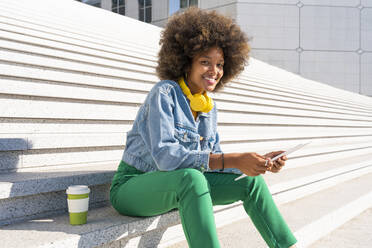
x=157 y=129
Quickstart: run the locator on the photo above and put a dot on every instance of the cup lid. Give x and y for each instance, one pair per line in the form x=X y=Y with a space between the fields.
x=78 y=189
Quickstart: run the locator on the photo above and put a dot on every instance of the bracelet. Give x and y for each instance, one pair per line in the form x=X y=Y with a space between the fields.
x=223 y=162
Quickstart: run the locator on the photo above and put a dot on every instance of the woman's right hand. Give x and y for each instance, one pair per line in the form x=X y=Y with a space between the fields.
x=251 y=163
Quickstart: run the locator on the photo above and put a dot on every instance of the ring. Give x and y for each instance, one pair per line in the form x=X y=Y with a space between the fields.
x=266 y=162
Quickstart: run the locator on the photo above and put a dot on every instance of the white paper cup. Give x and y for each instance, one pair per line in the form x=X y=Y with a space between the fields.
x=78 y=203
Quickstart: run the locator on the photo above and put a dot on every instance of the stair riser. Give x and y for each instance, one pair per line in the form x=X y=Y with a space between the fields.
x=43 y=185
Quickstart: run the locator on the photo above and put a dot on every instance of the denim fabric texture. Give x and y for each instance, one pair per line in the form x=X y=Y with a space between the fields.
x=165 y=136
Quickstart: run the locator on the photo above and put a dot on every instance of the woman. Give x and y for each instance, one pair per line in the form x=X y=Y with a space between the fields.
x=173 y=157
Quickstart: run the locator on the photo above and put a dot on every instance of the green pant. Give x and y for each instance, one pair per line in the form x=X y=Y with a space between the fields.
x=135 y=193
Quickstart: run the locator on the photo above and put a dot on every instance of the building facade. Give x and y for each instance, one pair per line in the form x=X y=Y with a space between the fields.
x=328 y=41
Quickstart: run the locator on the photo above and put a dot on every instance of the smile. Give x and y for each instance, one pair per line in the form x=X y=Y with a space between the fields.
x=210 y=80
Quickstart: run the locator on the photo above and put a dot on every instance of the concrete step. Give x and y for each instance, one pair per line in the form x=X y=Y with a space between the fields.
x=38 y=192
x=313 y=217
x=300 y=181
x=104 y=225
x=353 y=233
x=32 y=181
x=110 y=229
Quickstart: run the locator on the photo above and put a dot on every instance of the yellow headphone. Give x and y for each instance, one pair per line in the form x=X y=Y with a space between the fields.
x=198 y=102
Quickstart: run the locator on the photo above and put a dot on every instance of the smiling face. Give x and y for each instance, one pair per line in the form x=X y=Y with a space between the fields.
x=206 y=71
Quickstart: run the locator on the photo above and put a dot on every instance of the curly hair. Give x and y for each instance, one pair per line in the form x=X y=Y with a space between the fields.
x=193 y=32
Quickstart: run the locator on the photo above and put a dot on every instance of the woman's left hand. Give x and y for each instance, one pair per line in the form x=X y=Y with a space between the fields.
x=278 y=164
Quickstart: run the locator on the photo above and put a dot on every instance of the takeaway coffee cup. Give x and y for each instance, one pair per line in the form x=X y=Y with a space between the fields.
x=78 y=202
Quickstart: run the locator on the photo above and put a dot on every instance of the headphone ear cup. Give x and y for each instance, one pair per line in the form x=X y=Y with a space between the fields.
x=198 y=102
x=209 y=106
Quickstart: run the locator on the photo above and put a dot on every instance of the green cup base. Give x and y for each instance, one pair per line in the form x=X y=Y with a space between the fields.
x=78 y=218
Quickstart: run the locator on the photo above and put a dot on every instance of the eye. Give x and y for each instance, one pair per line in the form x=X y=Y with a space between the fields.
x=220 y=65
x=204 y=62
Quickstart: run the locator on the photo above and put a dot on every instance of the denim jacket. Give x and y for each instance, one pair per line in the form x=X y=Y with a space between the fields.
x=165 y=136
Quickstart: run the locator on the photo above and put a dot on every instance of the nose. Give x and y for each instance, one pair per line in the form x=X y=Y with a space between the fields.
x=213 y=70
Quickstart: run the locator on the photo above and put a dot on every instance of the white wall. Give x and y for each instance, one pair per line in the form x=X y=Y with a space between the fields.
x=106 y=4
x=160 y=12
x=227 y=8
x=131 y=9
x=328 y=41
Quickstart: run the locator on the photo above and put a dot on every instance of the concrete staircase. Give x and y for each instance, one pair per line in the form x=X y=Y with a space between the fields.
x=350 y=234
x=71 y=81
x=313 y=210
x=315 y=218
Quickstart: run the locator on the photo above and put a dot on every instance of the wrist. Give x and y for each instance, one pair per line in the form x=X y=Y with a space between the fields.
x=217 y=161
x=222 y=162
x=233 y=160
x=230 y=160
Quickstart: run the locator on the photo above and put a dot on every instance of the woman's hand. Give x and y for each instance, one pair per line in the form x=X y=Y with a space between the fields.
x=276 y=165
x=251 y=164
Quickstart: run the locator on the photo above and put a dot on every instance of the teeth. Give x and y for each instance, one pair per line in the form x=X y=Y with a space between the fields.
x=211 y=79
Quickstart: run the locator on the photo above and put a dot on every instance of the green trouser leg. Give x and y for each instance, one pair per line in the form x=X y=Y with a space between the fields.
x=257 y=202
x=159 y=192
x=193 y=193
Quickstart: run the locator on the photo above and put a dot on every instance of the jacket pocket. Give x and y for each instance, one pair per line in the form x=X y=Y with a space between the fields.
x=187 y=138
x=207 y=143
